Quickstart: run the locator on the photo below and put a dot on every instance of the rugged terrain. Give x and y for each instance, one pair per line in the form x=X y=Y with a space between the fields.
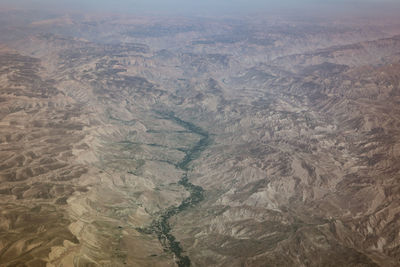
x=145 y=141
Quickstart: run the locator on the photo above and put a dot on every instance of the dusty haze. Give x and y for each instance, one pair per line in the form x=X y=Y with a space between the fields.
x=207 y=133
x=222 y=7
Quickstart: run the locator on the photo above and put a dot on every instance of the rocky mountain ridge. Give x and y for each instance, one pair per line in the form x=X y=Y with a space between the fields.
x=181 y=144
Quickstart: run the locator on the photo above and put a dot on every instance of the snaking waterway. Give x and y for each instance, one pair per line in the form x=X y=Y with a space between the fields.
x=161 y=226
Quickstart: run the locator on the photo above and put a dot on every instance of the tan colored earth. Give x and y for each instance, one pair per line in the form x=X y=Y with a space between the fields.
x=145 y=141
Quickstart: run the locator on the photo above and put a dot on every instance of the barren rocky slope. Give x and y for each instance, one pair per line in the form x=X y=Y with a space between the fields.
x=190 y=142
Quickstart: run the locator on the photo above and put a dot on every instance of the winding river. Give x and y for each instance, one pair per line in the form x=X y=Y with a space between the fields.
x=160 y=226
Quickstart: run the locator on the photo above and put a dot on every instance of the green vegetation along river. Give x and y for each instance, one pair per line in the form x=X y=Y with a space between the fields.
x=161 y=226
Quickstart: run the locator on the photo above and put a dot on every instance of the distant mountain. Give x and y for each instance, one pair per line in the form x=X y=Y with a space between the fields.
x=145 y=141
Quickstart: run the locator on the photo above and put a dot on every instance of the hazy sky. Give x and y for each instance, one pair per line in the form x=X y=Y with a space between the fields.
x=201 y=6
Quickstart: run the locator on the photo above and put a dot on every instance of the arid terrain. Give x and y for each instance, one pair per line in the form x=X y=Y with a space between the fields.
x=160 y=141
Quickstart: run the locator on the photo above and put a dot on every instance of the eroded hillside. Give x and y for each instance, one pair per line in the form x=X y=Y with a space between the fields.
x=176 y=142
